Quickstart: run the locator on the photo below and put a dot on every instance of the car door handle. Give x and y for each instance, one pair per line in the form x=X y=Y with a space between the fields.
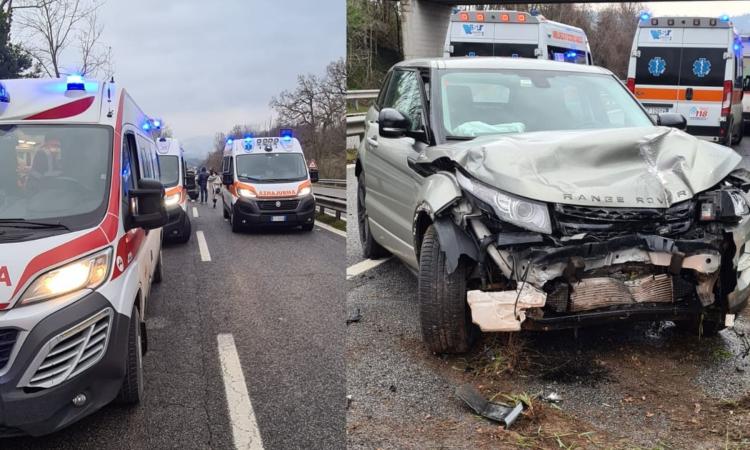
x=372 y=141
x=689 y=94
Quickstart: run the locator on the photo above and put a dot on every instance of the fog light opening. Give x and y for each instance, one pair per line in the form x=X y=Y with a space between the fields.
x=80 y=400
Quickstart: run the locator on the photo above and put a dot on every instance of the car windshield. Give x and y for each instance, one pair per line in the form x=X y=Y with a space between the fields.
x=271 y=167
x=481 y=102
x=54 y=174
x=169 y=166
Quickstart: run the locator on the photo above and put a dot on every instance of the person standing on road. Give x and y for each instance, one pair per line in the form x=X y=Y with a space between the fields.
x=203 y=183
x=214 y=180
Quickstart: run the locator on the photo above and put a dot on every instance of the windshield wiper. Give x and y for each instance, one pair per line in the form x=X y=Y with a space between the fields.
x=459 y=138
x=31 y=224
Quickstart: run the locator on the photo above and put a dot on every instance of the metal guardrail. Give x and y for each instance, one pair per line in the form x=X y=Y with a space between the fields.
x=332 y=182
x=362 y=94
x=337 y=205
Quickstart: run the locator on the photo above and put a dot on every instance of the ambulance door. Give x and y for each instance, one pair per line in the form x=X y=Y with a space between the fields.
x=702 y=75
x=657 y=68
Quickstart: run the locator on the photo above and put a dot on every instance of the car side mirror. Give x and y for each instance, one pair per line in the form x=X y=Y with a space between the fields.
x=314 y=176
x=746 y=83
x=147 y=208
x=392 y=124
x=227 y=178
x=672 y=120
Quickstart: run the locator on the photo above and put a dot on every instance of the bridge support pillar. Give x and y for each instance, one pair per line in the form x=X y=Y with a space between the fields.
x=424 y=25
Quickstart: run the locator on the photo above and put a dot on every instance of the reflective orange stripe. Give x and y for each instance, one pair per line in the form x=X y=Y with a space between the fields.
x=675 y=94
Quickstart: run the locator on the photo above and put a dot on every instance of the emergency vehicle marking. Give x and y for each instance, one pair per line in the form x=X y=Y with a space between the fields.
x=98 y=238
x=674 y=94
x=561 y=36
x=661 y=35
x=657 y=66
x=5 y=276
x=473 y=29
x=71 y=109
x=127 y=249
x=701 y=67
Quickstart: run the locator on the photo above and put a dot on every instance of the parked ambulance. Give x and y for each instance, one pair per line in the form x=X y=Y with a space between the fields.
x=746 y=83
x=267 y=183
x=81 y=211
x=691 y=66
x=173 y=176
x=515 y=34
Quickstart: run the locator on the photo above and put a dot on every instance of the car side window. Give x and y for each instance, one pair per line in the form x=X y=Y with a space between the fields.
x=129 y=164
x=381 y=96
x=404 y=94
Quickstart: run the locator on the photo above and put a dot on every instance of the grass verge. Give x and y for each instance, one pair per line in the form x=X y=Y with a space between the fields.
x=332 y=221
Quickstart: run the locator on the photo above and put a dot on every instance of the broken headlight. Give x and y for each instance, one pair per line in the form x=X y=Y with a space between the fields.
x=722 y=205
x=521 y=212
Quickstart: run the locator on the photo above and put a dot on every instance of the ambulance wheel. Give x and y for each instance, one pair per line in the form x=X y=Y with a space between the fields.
x=131 y=391
x=236 y=228
x=187 y=230
x=737 y=138
x=159 y=271
x=224 y=210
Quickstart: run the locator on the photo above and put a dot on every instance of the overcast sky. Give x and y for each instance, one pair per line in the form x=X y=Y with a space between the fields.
x=204 y=67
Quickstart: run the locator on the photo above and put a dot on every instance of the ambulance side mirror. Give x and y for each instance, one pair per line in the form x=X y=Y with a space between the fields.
x=227 y=178
x=746 y=83
x=147 y=208
x=673 y=120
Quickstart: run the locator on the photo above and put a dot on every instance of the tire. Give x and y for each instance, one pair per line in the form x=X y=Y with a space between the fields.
x=443 y=310
x=729 y=139
x=187 y=231
x=224 y=209
x=236 y=227
x=131 y=391
x=158 y=271
x=740 y=134
x=370 y=248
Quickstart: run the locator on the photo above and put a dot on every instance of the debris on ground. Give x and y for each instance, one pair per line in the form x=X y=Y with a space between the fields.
x=494 y=411
x=354 y=318
x=553 y=397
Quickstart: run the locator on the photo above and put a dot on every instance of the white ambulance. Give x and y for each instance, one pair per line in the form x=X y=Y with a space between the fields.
x=173 y=171
x=746 y=83
x=267 y=183
x=515 y=34
x=691 y=66
x=81 y=211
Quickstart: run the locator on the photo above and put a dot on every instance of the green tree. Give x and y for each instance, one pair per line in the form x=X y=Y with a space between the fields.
x=14 y=61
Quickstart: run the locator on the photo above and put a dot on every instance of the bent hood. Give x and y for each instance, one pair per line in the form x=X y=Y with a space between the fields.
x=628 y=167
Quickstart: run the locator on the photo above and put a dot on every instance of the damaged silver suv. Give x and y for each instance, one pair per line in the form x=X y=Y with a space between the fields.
x=532 y=194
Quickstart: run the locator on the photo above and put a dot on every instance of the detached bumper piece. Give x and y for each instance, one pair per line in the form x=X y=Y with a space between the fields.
x=497 y=412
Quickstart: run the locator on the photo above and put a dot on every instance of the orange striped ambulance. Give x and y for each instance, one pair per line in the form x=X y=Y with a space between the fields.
x=691 y=66
x=267 y=183
x=173 y=169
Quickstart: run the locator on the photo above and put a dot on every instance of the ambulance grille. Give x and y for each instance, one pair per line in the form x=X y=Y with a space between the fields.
x=271 y=205
x=7 y=341
x=70 y=353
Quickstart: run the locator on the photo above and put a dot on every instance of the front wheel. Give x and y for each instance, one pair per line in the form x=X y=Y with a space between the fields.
x=236 y=228
x=131 y=391
x=159 y=270
x=443 y=311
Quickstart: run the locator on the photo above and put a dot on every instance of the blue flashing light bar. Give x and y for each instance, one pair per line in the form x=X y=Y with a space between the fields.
x=75 y=83
x=724 y=17
x=4 y=95
x=146 y=126
x=157 y=124
x=286 y=134
x=230 y=141
x=645 y=16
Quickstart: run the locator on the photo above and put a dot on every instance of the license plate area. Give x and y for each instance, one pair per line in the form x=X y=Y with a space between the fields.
x=657 y=109
x=278 y=218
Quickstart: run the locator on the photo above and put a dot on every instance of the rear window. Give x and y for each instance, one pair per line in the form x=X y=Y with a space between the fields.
x=672 y=66
x=658 y=65
x=490 y=49
x=702 y=67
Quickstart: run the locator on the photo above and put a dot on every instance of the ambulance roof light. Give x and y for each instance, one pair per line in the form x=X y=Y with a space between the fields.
x=230 y=141
x=157 y=124
x=286 y=134
x=724 y=17
x=534 y=12
x=645 y=15
x=75 y=83
x=147 y=126
x=4 y=95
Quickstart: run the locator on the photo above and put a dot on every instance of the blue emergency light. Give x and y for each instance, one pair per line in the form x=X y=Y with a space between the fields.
x=157 y=124
x=146 y=126
x=570 y=55
x=230 y=141
x=75 y=83
x=4 y=95
x=645 y=16
x=724 y=18
x=248 y=142
x=286 y=134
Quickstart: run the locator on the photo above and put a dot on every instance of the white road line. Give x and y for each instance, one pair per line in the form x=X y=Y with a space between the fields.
x=195 y=212
x=363 y=266
x=244 y=426
x=330 y=228
x=203 y=246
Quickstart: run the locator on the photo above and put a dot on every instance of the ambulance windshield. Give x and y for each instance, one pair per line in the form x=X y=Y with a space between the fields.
x=169 y=167
x=271 y=167
x=53 y=175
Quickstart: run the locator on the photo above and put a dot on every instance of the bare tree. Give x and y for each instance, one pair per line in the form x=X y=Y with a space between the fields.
x=53 y=25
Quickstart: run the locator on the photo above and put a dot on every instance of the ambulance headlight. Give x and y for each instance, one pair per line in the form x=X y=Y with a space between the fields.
x=304 y=192
x=172 y=200
x=247 y=193
x=87 y=273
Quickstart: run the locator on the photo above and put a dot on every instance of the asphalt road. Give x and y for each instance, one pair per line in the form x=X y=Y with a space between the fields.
x=609 y=378
x=280 y=295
